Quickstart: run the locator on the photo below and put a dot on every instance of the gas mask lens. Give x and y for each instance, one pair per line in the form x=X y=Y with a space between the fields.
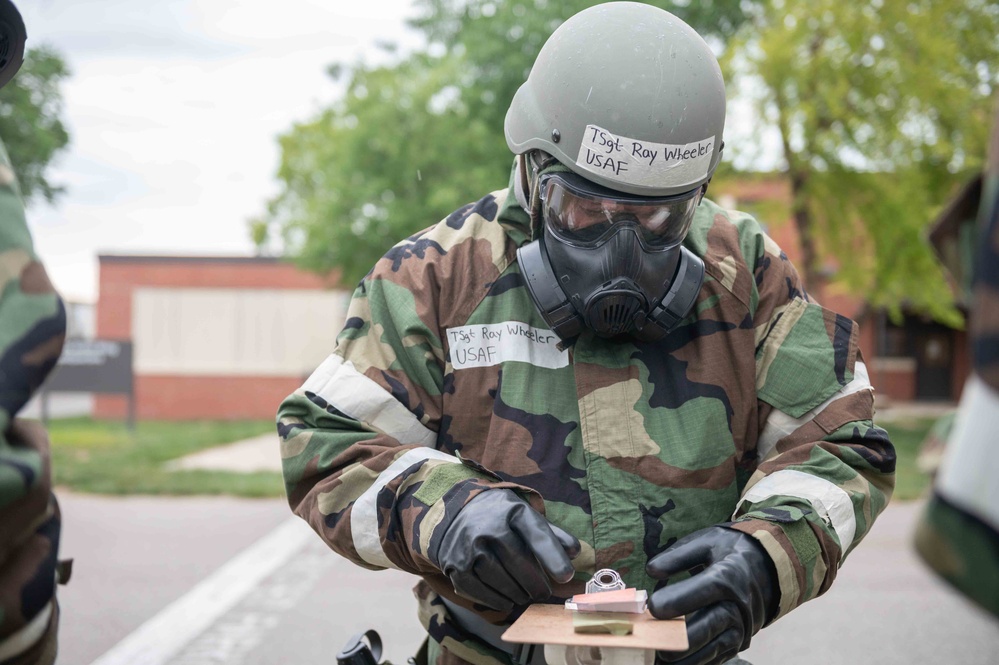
x=582 y=213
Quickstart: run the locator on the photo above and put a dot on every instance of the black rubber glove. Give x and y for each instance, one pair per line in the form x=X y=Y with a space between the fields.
x=726 y=603
x=500 y=552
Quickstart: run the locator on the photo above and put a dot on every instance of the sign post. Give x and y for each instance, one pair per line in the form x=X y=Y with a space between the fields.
x=93 y=366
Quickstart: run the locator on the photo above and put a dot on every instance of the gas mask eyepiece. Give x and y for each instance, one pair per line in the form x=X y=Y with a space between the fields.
x=584 y=214
x=609 y=261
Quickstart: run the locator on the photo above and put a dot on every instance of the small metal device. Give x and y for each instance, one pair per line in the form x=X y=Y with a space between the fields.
x=605 y=579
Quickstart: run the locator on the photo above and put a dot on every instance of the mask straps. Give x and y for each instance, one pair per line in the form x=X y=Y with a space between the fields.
x=548 y=164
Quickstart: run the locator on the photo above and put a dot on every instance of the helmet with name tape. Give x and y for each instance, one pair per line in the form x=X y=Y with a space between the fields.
x=628 y=96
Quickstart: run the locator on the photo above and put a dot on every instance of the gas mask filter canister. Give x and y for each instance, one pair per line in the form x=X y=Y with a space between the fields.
x=610 y=262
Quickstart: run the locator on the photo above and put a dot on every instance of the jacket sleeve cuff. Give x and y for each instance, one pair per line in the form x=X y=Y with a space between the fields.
x=797 y=557
x=442 y=495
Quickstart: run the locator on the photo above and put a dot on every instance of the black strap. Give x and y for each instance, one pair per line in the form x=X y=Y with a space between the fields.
x=421 y=657
x=361 y=649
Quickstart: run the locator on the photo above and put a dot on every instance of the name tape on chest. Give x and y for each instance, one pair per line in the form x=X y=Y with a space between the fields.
x=494 y=343
x=643 y=162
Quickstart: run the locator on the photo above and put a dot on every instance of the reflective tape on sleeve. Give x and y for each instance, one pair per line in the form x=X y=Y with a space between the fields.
x=832 y=503
x=338 y=382
x=364 y=514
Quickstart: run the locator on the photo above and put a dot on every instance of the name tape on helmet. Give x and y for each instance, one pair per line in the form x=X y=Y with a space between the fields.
x=644 y=162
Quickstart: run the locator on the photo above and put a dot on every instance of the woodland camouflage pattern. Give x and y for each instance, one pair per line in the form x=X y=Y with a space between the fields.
x=960 y=545
x=32 y=329
x=760 y=395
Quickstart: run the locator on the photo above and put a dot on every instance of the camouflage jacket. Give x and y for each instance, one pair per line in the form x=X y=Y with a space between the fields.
x=446 y=382
x=32 y=328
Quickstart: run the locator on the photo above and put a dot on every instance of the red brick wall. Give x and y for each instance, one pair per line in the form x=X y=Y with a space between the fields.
x=894 y=379
x=962 y=363
x=193 y=397
x=201 y=397
x=868 y=330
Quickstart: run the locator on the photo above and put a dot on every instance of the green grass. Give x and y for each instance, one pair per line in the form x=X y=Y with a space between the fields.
x=104 y=457
x=907 y=435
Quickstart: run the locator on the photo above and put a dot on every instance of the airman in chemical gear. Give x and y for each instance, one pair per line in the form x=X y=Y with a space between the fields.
x=597 y=367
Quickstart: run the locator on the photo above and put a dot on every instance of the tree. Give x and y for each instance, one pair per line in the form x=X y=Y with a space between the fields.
x=30 y=122
x=397 y=153
x=882 y=108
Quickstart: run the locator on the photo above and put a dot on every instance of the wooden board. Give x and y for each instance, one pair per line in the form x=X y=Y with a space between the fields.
x=552 y=624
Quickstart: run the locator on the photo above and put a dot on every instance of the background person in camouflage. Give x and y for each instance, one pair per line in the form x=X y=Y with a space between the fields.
x=32 y=329
x=467 y=397
x=958 y=535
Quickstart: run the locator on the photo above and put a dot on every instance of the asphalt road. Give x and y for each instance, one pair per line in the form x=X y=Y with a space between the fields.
x=218 y=580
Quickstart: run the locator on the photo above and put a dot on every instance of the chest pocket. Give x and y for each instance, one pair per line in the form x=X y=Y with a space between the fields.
x=808 y=355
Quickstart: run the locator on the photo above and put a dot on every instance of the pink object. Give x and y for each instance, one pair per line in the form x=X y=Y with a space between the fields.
x=622 y=600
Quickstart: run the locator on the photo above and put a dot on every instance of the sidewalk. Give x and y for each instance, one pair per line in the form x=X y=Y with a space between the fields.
x=260 y=453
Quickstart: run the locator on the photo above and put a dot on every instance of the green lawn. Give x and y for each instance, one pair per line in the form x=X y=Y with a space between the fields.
x=907 y=435
x=103 y=457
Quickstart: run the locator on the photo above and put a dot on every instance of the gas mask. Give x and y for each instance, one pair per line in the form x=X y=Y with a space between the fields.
x=608 y=261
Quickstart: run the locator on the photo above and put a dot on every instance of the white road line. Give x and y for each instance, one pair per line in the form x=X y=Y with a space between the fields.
x=164 y=635
x=235 y=637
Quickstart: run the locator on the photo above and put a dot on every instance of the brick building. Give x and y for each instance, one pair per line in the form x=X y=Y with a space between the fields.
x=214 y=337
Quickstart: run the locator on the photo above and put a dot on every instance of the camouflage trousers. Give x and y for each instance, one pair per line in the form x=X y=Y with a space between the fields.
x=29 y=570
x=43 y=651
x=449 y=643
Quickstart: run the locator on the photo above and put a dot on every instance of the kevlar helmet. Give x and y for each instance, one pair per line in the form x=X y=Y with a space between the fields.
x=627 y=96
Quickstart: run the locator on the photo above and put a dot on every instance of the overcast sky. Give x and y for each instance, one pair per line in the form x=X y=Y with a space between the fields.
x=174 y=108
